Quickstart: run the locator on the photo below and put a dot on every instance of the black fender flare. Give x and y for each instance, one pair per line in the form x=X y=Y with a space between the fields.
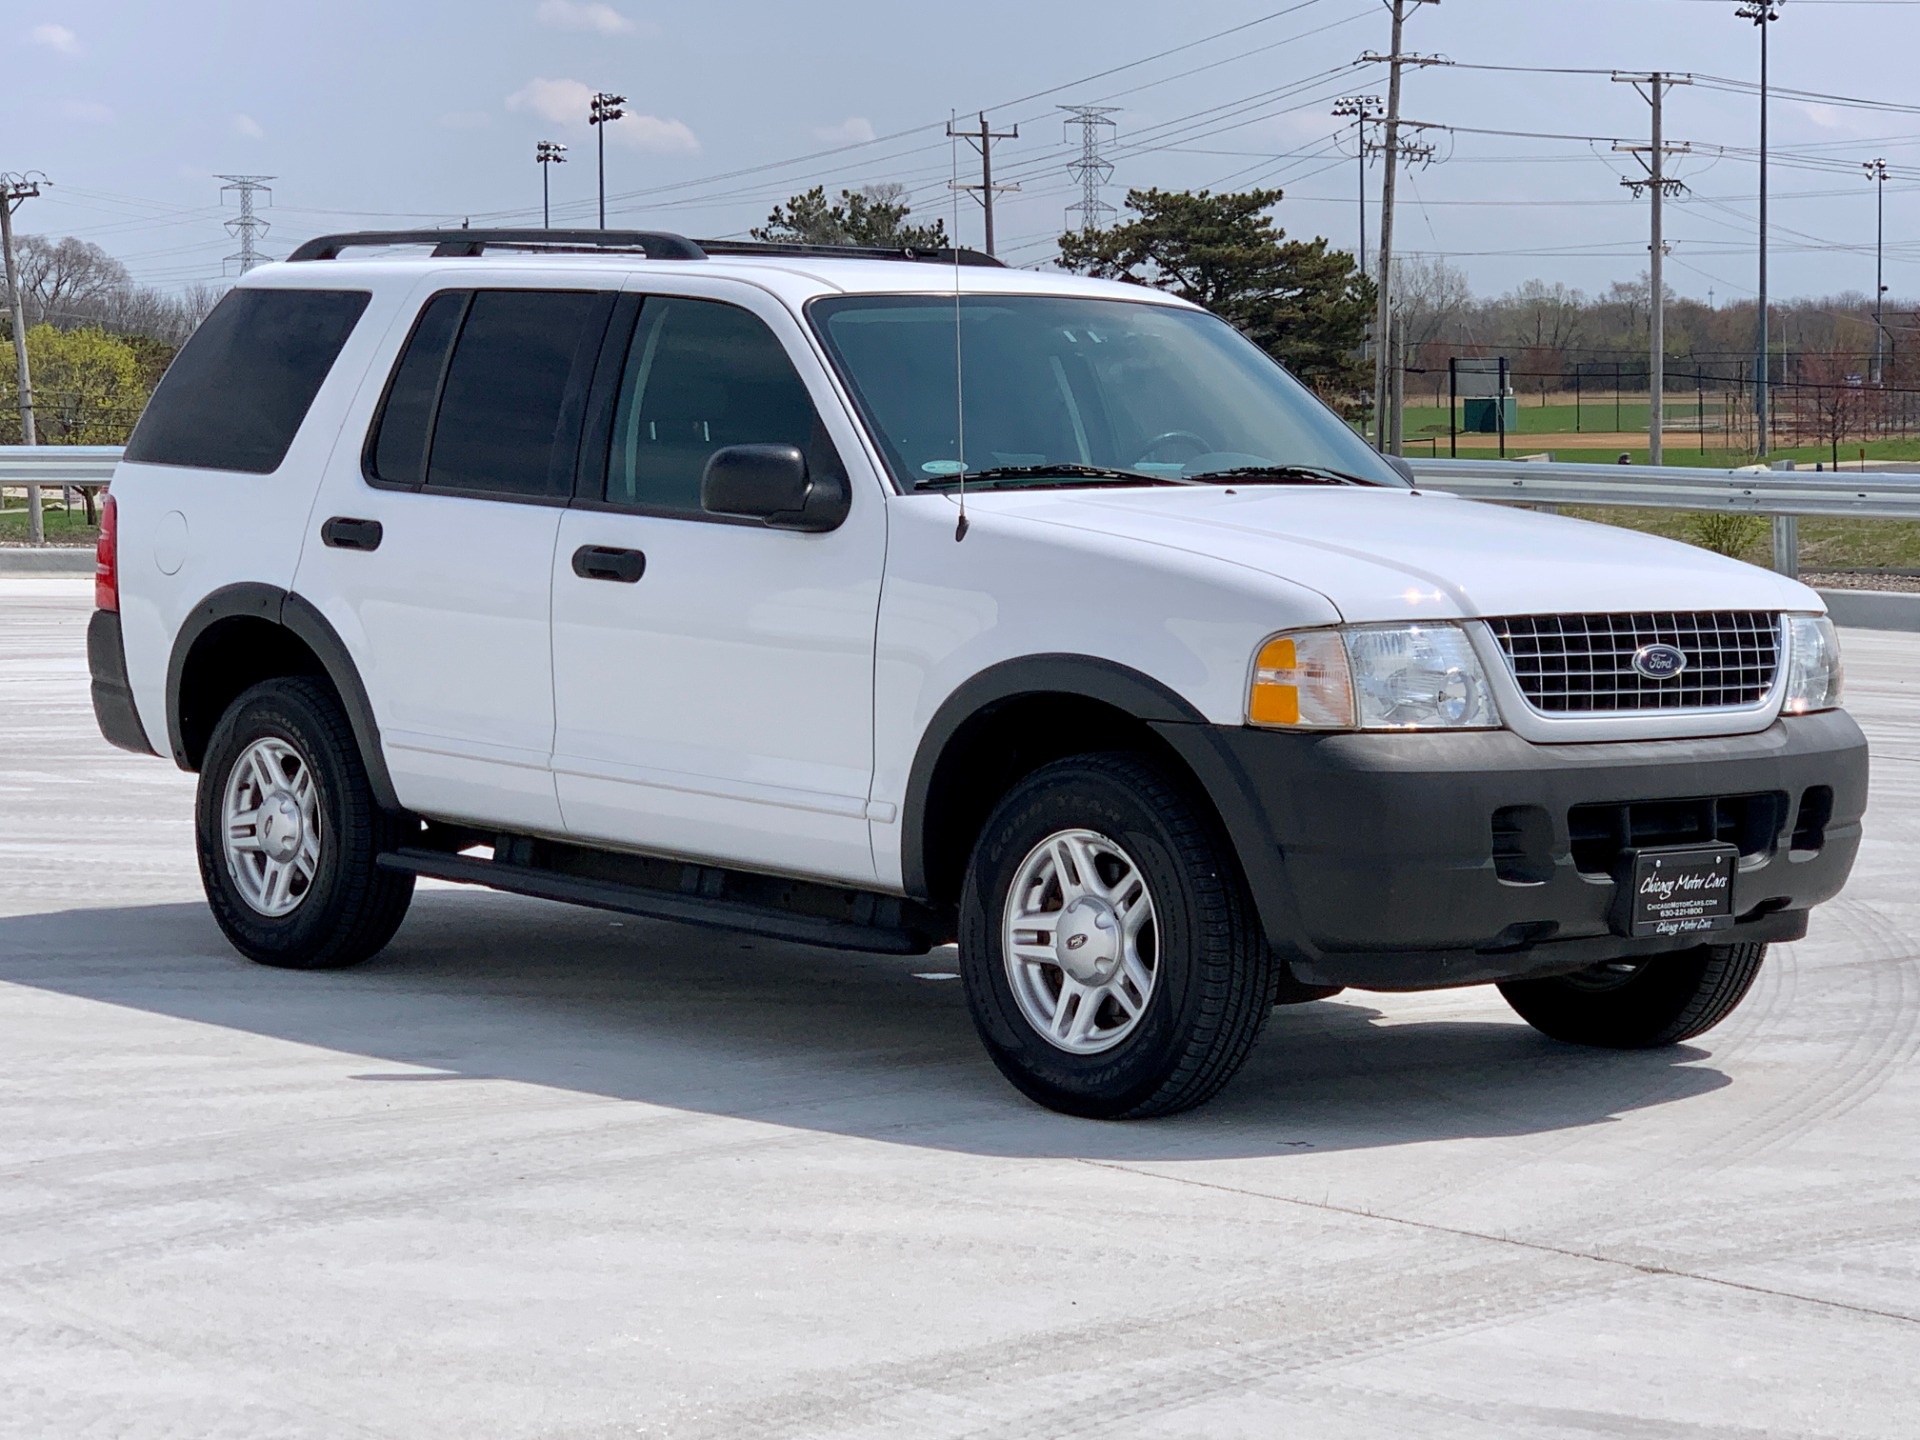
x=299 y=617
x=1085 y=676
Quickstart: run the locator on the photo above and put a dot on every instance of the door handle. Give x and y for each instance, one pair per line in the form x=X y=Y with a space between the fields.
x=343 y=533
x=603 y=562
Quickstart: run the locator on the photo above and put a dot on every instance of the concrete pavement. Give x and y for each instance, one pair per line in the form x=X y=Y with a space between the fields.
x=539 y=1172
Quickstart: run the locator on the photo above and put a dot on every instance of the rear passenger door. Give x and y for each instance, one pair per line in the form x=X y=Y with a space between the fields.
x=433 y=546
x=717 y=703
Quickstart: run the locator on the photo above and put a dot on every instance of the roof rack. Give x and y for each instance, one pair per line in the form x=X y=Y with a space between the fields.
x=654 y=244
x=945 y=255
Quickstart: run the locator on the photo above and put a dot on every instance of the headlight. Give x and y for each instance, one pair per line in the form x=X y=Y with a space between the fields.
x=1813 y=665
x=1371 y=677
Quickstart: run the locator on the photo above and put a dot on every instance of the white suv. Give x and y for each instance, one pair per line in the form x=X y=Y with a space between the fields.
x=881 y=601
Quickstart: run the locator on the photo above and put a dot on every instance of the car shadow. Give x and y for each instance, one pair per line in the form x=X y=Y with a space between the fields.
x=485 y=986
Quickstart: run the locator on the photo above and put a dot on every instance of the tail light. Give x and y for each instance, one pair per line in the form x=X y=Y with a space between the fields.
x=106 y=560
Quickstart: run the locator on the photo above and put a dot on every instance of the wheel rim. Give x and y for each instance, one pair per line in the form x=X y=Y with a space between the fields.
x=1080 y=942
x=270 y=827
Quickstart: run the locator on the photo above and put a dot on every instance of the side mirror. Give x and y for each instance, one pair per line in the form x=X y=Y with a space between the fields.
x=1400 y=467
x=771 y=483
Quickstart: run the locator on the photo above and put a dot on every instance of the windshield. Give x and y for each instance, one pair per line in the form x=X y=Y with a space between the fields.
x=1109 y=391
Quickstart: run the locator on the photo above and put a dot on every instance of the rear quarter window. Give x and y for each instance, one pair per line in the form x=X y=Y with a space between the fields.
x=236 y=394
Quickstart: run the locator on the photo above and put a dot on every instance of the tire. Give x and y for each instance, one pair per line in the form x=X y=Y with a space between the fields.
x=328 y=905
x=1167 y=999
x=1661 y=1001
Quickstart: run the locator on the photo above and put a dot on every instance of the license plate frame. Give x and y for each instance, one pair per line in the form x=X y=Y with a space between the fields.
x=1675 y=890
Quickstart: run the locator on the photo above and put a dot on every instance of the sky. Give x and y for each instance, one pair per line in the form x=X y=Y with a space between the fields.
x=382 y=113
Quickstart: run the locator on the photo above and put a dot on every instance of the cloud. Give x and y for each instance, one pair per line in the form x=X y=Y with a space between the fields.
x=655 y=135
x=248 y=127
x=566 y=102
x=55 y=37
x=596 y=19
x=465 y=120
x=854 y=130
x=88 y=112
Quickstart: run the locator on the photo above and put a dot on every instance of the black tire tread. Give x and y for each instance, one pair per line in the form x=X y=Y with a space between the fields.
x=1233 y=967
x=368 y=903
x=1672 y=1000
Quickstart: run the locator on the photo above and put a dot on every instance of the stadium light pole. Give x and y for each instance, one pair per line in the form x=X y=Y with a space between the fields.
x=1877 y=175
x=1762 y=13
x=550 y=152
x=604 y=110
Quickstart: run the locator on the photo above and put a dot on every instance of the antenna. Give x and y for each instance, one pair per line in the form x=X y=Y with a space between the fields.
x=1091 y=170
x=959 y=377
x=248 y=227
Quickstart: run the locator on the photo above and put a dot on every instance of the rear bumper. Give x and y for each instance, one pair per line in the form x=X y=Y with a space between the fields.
x=113 y=707
x=1373 y=857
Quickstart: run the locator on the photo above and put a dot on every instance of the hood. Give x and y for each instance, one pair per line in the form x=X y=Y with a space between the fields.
x=1381 y=554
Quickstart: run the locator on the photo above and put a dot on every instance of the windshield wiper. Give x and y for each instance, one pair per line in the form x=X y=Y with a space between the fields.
x=1068 y=471
x=1286 y=474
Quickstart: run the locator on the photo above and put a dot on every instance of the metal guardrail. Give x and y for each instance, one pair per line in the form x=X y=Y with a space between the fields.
x=37 y=468
x=89 y=466
x=1782 y=495
x=1857 y=495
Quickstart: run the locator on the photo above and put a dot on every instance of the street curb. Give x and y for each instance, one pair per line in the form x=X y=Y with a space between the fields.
x=52 y=560
x=1873 y=609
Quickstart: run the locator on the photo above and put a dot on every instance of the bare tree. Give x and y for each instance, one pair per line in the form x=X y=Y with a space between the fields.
x=67 y=282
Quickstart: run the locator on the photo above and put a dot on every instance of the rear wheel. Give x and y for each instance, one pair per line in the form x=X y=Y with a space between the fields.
x=1113 y=963
x=1640 y=1004
x=289 y=833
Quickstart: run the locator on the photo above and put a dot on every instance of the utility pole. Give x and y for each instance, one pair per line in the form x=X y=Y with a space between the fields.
x=248 y=227
x=15 y=190
x=1762 y=13
x=1877 y=174
x=1361 y=109
x=547 y=153
x=1656 y=184
x=1384 y=349
x=1092 y=170
x=602 y=112
x=982 y=140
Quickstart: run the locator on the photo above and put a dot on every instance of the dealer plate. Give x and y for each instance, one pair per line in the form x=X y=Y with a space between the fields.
x=1678 y=892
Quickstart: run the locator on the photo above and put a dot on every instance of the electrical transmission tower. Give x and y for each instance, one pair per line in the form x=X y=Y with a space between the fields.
x=1091 y=170
x=247 y=228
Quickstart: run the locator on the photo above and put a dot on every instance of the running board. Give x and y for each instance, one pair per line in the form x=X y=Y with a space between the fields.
x=804 y=911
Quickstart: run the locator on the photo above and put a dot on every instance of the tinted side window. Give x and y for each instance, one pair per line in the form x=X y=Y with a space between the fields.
x=235 y=395
x=510 y=406
x=399 y=450
x=701 y=375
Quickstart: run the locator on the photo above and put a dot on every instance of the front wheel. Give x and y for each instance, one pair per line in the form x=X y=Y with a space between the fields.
x=289 y=833
x=1640 y=1004
x=1113 y=964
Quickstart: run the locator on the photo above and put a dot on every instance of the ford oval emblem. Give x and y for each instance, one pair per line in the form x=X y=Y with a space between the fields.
x=1659 y=662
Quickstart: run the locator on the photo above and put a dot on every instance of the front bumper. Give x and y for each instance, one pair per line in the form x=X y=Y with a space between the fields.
x=1419 y=861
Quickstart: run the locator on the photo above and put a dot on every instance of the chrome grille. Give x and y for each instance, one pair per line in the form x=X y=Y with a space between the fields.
x=1583 y=664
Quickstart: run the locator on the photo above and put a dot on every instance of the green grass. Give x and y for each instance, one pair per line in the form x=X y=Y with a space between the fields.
x=63 y=527
x=1824 y=544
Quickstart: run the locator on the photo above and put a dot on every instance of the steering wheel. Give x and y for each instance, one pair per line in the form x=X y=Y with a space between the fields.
x=1166 y=437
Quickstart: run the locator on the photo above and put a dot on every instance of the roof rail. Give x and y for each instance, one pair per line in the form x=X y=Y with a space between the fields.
x=945 y=255
x=654 y=244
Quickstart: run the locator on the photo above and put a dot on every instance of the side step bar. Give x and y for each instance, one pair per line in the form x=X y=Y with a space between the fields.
x=802 y=911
